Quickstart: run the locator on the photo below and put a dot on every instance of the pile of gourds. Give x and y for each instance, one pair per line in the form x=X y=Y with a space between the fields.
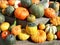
x=29 y=10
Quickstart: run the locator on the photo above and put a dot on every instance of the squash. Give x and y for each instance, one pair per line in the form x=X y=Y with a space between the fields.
x=10 y=39
x=26 y=3
x=4 y=34
x=31 y=28
x=9 y=10
x=31 y=18
x=50 y=28
x=37 y=10
x=2 y=18
x=35 y=1
x=40 y=37
x=21 y=13
x=49 y=12
x=55 y=6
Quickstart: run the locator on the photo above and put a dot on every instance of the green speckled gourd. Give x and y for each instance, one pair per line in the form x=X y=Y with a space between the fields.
x=26 y=3
x=31 y=28
x=2 y=18
x=9 y=10
x=37 y=10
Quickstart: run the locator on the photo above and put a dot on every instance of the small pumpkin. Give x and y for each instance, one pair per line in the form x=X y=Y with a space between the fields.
x=5 y=26
x=2 y=18
x=4 y=34
x=58 y=35
x=31 y=18
x=26 y=3
x=31 y=28
x=39 y=37
x=16 y=30
x=10 y=39
x=35 y=1
x=50 y=13
x=37 y=10
x=9 y=10
x=50 y=28
x=10 y=2
x=21 y=13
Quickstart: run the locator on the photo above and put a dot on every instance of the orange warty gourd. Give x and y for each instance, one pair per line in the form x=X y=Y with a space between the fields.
x=50 y=13
x=39 y=37
x=36 y=1
x=21 y=13
x=11 y=2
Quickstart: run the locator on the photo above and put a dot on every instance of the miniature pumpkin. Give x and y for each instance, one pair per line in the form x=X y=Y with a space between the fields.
x=41 y=26
x=4 y=34
x=16 y=30
x=5 y=26
x=39 y=37
x=50 y=13
x=50 y=36
x=35 y=1
x=50 y=28
x=10 y=2
x=55 y=21
x=31 y=28
x=26 y=3
x=37 y=10
x=21 y=13
x=58 y=35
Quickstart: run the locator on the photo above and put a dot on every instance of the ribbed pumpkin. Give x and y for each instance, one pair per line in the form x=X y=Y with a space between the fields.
x=37 y=10
x=39 y=37
x=21 y=13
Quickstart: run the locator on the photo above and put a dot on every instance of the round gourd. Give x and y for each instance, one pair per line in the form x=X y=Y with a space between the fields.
x=31 y=28
x=37 y=10
x=9 y=10
x=39 y=37
x=2 y=18
x=10 y=39
x=26 y=3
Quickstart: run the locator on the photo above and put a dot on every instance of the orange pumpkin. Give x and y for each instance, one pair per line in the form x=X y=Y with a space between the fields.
x=50 y=13
x=21 y=13
x=16 y=30
x=36 y=1
x=11 y=2
x=4 y=34
x=58 y=35
x=39 y=37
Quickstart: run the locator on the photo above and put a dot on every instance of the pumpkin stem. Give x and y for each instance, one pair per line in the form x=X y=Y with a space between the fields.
x=14 y=24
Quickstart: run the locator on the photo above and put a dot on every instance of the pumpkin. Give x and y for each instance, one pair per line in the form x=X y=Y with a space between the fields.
x=50 y=13
x=21 y=13
x=58 y=35
x=10 y=2
x=37 y=10
x=31 y=18
x=55 y=21
x=10 y=39
x=26 y=3
x=35 y=1
x=5 y=26
x=50 y=28
x=39 y=37
x=16 y=30
x=55 y=6
x=31 y=28
x=41 y=26
x=50 y=36
x=9 y=10
x=2 y=18
x=4 y=34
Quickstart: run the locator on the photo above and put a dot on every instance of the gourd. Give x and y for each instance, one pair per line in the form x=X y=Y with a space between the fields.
x=40 y=37
x=31 y=28
x=37 y=10
x=26 y=3
x=51 y=28
x=2 y=18
x=9 y=10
